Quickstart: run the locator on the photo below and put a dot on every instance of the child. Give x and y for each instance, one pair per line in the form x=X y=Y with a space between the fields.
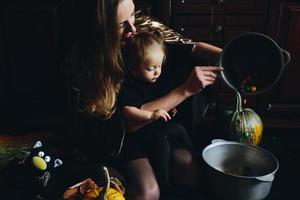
x=144 y=59
x=150 y=134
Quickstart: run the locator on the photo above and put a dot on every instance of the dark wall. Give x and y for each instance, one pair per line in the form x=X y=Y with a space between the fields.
x=33 y=39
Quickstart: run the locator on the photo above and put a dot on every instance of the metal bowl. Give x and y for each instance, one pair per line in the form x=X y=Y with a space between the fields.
x=239 y=171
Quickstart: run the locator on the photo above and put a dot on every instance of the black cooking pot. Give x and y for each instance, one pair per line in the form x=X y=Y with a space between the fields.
x=237 y=171
x=252 y=63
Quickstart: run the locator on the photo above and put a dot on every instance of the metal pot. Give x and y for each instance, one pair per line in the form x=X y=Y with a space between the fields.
x=252 y=63
x=239 y=171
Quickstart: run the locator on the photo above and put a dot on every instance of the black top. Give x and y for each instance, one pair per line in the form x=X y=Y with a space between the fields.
x=135 y=92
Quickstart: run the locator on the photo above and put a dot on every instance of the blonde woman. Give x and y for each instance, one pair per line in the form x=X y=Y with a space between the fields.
x=95 y=71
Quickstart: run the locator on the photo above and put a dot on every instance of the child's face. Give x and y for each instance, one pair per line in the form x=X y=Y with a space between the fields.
x=151 y=70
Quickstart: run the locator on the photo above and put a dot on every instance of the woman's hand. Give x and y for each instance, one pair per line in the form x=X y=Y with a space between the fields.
x=160 y=114
x=199 y=78
x=173 y=112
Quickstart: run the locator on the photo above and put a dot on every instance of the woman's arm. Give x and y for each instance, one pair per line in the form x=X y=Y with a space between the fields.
x=204 y=50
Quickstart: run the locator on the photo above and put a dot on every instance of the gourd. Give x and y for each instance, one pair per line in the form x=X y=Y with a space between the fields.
x=105 y=193
x=89 y=190
x=245 y=125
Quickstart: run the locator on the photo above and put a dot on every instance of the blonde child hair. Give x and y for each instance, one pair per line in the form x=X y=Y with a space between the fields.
x=137 y=50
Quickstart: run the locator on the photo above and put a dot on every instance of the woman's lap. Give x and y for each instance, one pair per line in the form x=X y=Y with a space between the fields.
x=155 y=146
x=143 y=143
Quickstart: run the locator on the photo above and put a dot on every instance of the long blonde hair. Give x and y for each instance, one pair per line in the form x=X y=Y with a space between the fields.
x=98 y=71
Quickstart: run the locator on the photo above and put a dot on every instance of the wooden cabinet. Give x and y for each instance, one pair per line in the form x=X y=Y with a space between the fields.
x=147 y=7
x=198 y=20
x=281 y=105
x=216 y=22
x=160 y=10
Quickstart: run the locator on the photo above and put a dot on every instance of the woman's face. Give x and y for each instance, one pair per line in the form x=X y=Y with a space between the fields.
x=125 y=19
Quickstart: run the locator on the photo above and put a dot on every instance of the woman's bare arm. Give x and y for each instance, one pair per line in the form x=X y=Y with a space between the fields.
x=204 y=50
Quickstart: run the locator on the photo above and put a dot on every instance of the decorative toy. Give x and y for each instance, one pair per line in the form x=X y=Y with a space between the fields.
x=32 y=173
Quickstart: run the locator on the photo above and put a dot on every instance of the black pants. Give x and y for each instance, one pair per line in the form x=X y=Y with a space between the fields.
x=156 y=142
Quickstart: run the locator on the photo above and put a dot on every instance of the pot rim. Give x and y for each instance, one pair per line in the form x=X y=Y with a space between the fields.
x=218 y=142
x=228 y=82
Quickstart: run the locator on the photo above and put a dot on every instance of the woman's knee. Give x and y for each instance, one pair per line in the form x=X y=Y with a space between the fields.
x=182 y=158
x=152 y=192
x=142 y=184
x=185 y=170
x=148 y=191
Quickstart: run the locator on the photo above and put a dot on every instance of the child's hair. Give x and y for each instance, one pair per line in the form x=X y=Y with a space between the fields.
x=137 y=49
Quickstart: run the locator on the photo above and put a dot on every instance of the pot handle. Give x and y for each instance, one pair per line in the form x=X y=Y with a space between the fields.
x=286 y=57
x=266 y=178
x=221 y=141
x=218 y=141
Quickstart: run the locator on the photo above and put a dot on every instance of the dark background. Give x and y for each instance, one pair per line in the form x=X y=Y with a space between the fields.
x=34 y=36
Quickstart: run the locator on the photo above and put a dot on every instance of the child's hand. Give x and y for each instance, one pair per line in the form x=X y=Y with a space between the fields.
x=160 y=114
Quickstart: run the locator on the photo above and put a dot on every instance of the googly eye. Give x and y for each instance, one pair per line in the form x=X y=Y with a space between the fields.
x=41 y=154
x=47 y=158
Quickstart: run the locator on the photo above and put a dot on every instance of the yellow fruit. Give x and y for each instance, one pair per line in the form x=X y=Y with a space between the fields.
x=113 y=194
x=258 y=133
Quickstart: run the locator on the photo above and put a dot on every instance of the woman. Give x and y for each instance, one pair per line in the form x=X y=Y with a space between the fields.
x=96 y=73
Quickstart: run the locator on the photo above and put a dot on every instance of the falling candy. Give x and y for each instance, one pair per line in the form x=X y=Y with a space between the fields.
x=252 y=88
x=247 y=84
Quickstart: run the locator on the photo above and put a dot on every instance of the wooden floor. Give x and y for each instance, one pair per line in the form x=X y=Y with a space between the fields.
x=12 y=144
x=282 y=142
